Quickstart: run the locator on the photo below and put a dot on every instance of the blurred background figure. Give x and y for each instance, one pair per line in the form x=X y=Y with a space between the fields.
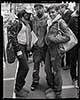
x=73 y=24
x=66 y=15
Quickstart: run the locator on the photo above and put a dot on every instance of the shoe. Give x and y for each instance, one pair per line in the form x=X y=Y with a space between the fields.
x=21 y=93
x=34 y=85
x=48 y=90
x=75 y=83
x=50 y=93
x=66 y=67
x=58 y=95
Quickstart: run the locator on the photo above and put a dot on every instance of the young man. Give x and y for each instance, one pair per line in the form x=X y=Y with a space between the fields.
x=53 y=55
x=39 y=27
x=19 y=35
x=65 y=12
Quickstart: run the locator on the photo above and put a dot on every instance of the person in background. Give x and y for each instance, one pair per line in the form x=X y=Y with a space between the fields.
x=39 y=27
x=65 y=12
x=53 y=55
x=19 y=35
x=66 y=15
x=73 y=24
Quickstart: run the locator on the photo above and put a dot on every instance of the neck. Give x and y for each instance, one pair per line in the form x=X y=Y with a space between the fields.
x=39 y=15
x=25 y=22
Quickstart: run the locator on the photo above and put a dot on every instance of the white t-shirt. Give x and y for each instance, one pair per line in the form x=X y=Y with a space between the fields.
x=23 y=35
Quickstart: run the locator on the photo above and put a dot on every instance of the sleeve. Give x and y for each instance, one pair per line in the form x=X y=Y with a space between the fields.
x=9 y=35
x=58 y=38
x=13 y=35
x=64 y=30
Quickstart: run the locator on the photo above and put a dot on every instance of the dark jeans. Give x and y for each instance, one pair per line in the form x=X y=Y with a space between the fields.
x=68 y=58
x=73 y=59
x=62 y=61
x=22 y=69
x=53 y=61
x=38 y=56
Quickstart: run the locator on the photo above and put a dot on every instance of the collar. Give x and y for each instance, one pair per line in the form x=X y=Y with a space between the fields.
x=50 y=21
x=43 y=17
x=74 y=14
x=65 y=11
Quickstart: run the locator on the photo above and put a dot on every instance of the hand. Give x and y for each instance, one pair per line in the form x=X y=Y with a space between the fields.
x=19 y=53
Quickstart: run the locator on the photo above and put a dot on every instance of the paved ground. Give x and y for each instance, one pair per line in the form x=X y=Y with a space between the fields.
x=9 y=76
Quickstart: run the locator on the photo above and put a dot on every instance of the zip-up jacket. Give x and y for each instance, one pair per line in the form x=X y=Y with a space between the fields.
x=13 y=31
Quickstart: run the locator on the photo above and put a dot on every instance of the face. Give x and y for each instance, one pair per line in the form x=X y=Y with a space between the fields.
x=39 y=10
x=26 y=16
x=62 y=9
x=53 y=13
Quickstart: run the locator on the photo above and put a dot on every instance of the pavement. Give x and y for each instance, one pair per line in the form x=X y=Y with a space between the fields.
x=9 y=75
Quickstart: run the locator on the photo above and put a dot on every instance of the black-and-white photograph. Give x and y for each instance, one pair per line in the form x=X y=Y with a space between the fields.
x=40 y=50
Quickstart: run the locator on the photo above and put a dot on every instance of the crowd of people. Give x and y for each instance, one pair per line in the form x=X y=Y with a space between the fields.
x=46 y=48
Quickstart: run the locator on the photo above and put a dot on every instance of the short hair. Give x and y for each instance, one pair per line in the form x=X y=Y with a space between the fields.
x=64 y=5
x=38 y=4
x=56 y=7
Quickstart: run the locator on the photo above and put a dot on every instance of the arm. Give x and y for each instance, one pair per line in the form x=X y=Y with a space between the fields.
x=13 y=35
x=64 y=30
x=59 y=38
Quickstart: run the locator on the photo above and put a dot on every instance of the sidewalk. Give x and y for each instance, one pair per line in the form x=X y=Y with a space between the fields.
x=68 y=89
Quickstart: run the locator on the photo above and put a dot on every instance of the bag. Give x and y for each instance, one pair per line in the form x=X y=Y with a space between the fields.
x=10 y=53
x=71 y=43
x=57 y=38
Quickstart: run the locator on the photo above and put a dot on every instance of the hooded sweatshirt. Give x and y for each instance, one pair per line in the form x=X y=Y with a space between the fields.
x=39 y=26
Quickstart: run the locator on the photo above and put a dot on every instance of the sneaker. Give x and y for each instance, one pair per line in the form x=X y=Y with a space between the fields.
x=66 y=67
x=48 y=90
x=21 y=93
x=58 y=95
x=50 y=94
x=75 y=83
x=34 y=85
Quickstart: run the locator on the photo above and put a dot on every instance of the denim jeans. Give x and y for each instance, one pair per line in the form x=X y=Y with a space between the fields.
x=22 y=69
x=53 y=69
x=38 y=56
